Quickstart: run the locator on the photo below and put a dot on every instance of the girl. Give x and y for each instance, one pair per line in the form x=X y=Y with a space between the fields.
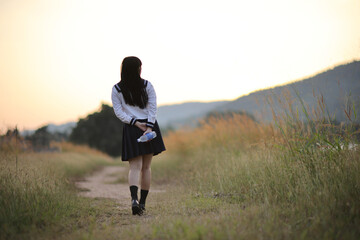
x=134 y=103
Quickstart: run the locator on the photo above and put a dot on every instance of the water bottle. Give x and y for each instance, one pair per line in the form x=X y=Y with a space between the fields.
x=147 y=137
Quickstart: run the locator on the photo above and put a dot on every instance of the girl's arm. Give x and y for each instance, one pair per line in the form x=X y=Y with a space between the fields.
x=151 y=107
x=118 y=109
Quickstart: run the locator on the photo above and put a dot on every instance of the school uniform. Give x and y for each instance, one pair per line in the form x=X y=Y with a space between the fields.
x=129 y=115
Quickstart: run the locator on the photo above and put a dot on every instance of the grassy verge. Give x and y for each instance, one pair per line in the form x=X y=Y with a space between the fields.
x=36 y=194
x=234 y=178
x=237 y=179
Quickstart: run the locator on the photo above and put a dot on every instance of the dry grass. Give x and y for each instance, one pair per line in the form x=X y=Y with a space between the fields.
x=301 y=178
x=70 y=147
x=36 y=191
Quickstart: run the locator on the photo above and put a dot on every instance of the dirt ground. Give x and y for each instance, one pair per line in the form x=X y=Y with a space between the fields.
x=102 y=184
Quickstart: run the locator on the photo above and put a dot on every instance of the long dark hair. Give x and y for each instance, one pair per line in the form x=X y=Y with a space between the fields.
x=131 y=84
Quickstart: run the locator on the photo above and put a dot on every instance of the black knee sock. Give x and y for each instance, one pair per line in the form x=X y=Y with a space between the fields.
x=143 y=196
x=133 y=191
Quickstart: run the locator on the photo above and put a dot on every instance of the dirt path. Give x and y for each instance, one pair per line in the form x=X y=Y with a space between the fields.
x=102 y=184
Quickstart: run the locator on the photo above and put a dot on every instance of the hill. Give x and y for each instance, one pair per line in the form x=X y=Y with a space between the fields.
x=185 y=113
x=65 y=128
x=336 y=87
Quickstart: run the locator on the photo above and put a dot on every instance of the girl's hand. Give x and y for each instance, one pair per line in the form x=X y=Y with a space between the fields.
x=148 y=129
x=141 y=125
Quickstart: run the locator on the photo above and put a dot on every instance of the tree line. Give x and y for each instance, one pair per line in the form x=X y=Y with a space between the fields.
x=101 y=130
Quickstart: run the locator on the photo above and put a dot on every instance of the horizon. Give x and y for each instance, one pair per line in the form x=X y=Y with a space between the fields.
x=60 y=59
x=194 y=101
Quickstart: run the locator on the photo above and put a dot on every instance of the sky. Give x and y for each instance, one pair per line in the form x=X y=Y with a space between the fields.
x=60 y=59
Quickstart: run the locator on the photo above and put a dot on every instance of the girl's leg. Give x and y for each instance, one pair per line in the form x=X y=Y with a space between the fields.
x=146 y=171
x=135 y=170
x=145 y=179
x=134 y=176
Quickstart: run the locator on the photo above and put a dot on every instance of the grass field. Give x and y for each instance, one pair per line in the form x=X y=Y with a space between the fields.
x=37 y=195
x=231 y=178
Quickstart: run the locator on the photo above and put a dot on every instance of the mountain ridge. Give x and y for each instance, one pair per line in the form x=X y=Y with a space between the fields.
x=335 y=85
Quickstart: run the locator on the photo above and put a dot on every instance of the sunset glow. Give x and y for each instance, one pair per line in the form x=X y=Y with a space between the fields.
x=60 y=59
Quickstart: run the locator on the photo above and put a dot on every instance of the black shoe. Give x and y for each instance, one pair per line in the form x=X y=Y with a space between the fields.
x=136 y=210
x=142 y=207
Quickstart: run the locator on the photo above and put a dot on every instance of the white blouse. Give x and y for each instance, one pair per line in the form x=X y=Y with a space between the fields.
x=129 y=114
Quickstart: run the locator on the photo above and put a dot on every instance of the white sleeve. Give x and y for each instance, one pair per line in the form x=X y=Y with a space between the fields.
x=151 y=106
x=118 y=109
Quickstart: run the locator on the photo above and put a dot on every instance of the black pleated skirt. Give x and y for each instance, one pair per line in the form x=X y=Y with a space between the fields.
x=131 y=148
